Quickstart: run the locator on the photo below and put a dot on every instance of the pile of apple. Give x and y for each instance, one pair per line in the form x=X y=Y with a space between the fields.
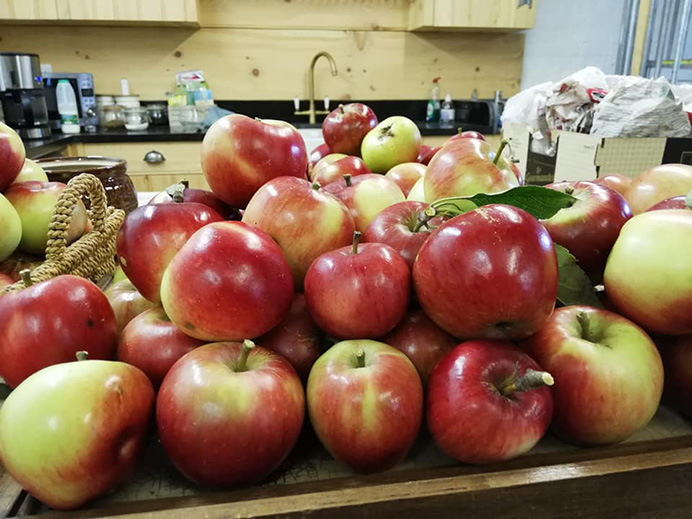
x=379 y=285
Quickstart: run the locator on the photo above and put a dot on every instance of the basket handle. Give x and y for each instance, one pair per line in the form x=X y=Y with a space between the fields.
x=69 y=198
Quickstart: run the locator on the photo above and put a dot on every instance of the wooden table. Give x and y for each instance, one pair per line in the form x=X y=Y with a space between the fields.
x=649 y=476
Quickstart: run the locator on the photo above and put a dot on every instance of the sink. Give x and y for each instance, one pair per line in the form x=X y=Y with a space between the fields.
x=312 y=137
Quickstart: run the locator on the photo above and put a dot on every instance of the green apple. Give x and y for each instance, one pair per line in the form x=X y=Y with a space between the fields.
x=394 y=141
x=10 y=228
x=648 y=276
x=35 y=203
x=72 y=431
x=417 y=193
x=31 y=171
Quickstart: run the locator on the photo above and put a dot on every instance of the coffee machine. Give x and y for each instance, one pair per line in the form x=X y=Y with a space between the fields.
x=22 y=96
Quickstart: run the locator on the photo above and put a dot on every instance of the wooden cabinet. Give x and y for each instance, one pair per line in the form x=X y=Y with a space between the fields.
x=110 y=12
x=472 y=14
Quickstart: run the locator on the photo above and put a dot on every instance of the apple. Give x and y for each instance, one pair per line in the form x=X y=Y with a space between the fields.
x=127 y=302
x=417 y=193
x=318 y=153
x=404 y=227
x=675 y=202
x=427 y=153
x=406 y=175
x=589 y=228
x=323 y=162
x=422 y=341
x=5 y=281
x=608 y=374
x=616 y=182
x=463 y=168
x=229 y=413
x=152 y=343
x=658 y=183
x=648 y=276
x=466 y=135
x=74 y=431
x=303 y=219
x=10 y=228
x=365 y=402
x=19 y=261
x=49 y=322
x=361 y=291
x=182 y=192
x=490 y=273
x=393 y=141
x=151 y=236
x=366 y=196
x=35 y=203
x=488 y=401
x=676 y=353
x=296 y=338
x=346 y=126
x=229 y=281
x=12 y=155
x=31 y=171
x=333 y=168
x=239 y=154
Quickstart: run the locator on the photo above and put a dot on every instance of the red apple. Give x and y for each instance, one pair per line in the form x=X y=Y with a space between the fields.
x=404 y=227
x=318 y=153
x=366 y=196
x=333 y=167
x=366 y=403
x=303 y=219
x=361 y=291
x=406 y=175
x=676 y=353
x=675 y=202
x=427 y=153
x=127 y=302
x=488 y=402
x=463 y=168
x=5 y=281
x=616 y=182
x=229 y=414
x=393 y=141
x=489 y=273
x=608 y=374
x=181 y=192
x=589 y=228
x=239 y=154
x=12 y=155
x=296 y=338
x=346 y=126
x=74 y=431
x=648 y=276
x=659 y=183
x=466 y=135
x=49 y=322
x=422 y=341
x=151 y=236
x=152 y=343
x=229 y=280
x=35 y=203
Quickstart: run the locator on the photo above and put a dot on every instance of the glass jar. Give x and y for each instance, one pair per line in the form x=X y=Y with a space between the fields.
x=136 y=118
x=158 y=114
x=112 y=116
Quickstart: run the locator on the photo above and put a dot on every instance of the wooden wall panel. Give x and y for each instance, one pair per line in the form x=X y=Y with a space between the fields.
x=273 y=64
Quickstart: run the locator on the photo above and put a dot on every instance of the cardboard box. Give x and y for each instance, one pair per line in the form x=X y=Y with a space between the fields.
x=586 y=157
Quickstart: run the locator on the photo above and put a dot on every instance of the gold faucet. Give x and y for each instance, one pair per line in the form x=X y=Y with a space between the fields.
x=311 y=111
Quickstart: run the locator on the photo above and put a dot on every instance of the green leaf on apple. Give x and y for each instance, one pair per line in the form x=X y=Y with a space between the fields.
x=541 y=202
x=574 y=286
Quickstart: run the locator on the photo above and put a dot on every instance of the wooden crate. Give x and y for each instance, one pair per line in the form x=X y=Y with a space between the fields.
x=648 y=476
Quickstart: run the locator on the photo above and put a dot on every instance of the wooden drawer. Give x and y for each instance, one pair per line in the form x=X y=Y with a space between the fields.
x=144 y=182
x=179 y=156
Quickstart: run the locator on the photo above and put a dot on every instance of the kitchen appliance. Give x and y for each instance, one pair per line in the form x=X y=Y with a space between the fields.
x=480 y=112
x=83 y=86
x=22 y=95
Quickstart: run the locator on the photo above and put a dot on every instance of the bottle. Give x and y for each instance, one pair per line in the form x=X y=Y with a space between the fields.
x=432 y=112
x=447 y=110
x=498 y=106
x=67 y=107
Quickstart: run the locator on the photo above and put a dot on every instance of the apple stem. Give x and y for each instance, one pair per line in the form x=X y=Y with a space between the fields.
x=341 y=108
x=583 y=321
x=360 y=359
x=25 y=276
x=242 y=360
x=422 y=220
x=460 y=130
x=82 y=355
x=356 y=239
x=531 y=379
x=503 y=144
x=316 y=186
x=347 y=178
x=177 y=191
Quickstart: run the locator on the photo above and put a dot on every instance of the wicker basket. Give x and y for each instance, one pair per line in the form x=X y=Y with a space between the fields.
x=93 y=255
